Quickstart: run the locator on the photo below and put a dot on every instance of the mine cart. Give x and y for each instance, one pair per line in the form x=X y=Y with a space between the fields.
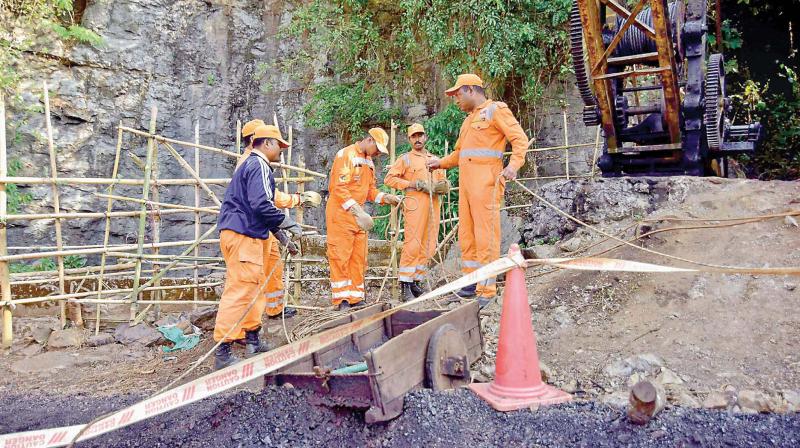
x=405 y=351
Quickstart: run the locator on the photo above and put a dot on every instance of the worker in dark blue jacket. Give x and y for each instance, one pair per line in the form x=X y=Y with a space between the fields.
x=246 y=218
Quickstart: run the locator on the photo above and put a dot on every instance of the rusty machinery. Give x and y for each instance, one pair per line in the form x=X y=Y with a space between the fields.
x=646 y=77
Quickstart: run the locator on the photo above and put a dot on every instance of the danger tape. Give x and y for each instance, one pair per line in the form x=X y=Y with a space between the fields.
x=237 y=374
x=273 y=360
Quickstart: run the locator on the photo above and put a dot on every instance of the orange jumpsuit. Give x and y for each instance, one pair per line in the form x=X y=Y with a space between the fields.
x=352 y=181
x=273 y=291
x=421 y=223
x=478 y=153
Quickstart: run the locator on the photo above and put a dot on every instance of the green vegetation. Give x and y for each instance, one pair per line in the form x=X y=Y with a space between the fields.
x=48 y=21
x=383 y=52
x=48 y=264
x=14 y=198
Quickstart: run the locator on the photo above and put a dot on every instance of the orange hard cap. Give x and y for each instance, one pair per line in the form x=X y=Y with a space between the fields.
x=415 y=128
x=250 y=127
x=467 y=79
x=381 y=139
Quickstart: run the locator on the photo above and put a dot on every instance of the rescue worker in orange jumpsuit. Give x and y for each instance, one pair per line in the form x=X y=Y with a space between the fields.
x=273 y=264
x=478 y=153
x=410 y=173
x=352 y=182
x=247 y=217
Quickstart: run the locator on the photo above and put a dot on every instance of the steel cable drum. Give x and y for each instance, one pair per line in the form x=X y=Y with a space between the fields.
x=635 y=41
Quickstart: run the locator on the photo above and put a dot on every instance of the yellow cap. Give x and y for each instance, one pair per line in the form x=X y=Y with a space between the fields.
x=415 y=128
x=250 y=127
x=467 y=79
x=381 y=139
x=270 y=131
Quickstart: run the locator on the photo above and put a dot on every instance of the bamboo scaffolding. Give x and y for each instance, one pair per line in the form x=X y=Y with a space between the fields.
x=234 y=155
x=69 y=181
x=393 y=217
x=299 y=216
x=90 y=215
x=5 y=283
x=193 y=173
x=56 y=207
x=566 y=144
x=143 y=215
x=95 y=251
x=38 y=281
x=156 y=204
x=196 y=161
x=155 y=228
x=108 y=292
x=107 y=229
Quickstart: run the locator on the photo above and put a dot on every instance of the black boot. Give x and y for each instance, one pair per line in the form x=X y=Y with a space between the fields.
x=406 y=292
x=343 y=306
x=287 y=313
x=467 y=291
x=224 y=358
x=417 y=289
x=254 y=344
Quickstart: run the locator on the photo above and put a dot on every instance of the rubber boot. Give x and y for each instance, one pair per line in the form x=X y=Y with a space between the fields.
x=344 y=305
x=406 y=292
x=467 y=291
x=417 y=289
x=224 y=358
x=254 y=344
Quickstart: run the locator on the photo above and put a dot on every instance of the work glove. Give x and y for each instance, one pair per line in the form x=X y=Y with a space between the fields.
x=290 y=245
x=363 y=220
x=421 y=185
x=441 y=187
x=391 y=199
x=310 y=199
x=292 y=227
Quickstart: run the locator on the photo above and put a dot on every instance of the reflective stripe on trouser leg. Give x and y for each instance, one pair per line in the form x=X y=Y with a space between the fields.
x=406 y=273
x=466 y=237
x=243 y=277
x=357 y=266
x=487 y=231
x=421 y=272
x=274 y=264
x=339 y=250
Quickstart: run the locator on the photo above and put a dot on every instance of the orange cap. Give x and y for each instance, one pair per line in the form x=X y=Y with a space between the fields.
x=270 y=131
x=415 y=128
x=381 y=139
x=467 y=79
x=250 y=127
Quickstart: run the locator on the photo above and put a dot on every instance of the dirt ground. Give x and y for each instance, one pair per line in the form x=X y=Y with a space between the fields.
x=710 y=330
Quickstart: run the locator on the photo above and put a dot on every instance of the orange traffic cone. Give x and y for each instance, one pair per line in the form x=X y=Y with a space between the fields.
x=518 y=382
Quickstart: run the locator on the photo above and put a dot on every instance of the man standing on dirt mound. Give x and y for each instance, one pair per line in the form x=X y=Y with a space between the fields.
x=351 y=184
x=273 y=291
x=478 y=153
x=421 y=216
x=246 y=218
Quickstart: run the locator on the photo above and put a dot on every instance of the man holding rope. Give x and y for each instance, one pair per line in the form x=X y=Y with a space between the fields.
x=351 y=184
x=420 y=211
x=247 y=217
x=274 y=291
x=478 y=153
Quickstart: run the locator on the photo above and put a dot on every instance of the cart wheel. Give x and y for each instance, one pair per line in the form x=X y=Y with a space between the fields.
x=446 y=362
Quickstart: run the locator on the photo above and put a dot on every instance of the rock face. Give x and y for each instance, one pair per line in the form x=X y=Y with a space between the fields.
x=601 y=200
x=211 y=62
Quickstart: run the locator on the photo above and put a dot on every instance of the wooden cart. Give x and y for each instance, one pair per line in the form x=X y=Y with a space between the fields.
x=403 y=352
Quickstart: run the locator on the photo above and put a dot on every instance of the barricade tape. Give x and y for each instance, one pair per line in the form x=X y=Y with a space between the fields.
x=237 y=374
x=265 y=363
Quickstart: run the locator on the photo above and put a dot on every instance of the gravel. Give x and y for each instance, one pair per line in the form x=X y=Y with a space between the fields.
x=280 y=417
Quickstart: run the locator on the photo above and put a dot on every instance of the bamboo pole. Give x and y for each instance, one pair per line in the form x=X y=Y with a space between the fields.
x=162 y=139
x=196 y=161
x=5 y=283
x=148 y=166
x=393 y=218
x=107 y=292
x=92 y=276
x=156 y=223
x=122 y=248
x=156 y=205
x=596 y=149
x=299 y=216
x=92 y=215
x=238 y=139
x=566 y=143
x=193 y=173
x=107 y=230
x=56 y=208
x=26 y=180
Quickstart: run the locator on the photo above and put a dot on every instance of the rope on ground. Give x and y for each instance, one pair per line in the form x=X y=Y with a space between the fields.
x=709 y=266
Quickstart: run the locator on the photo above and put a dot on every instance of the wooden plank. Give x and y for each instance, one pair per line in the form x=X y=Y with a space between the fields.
x=618 y=37
x=633 y=73
x=634 y=59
